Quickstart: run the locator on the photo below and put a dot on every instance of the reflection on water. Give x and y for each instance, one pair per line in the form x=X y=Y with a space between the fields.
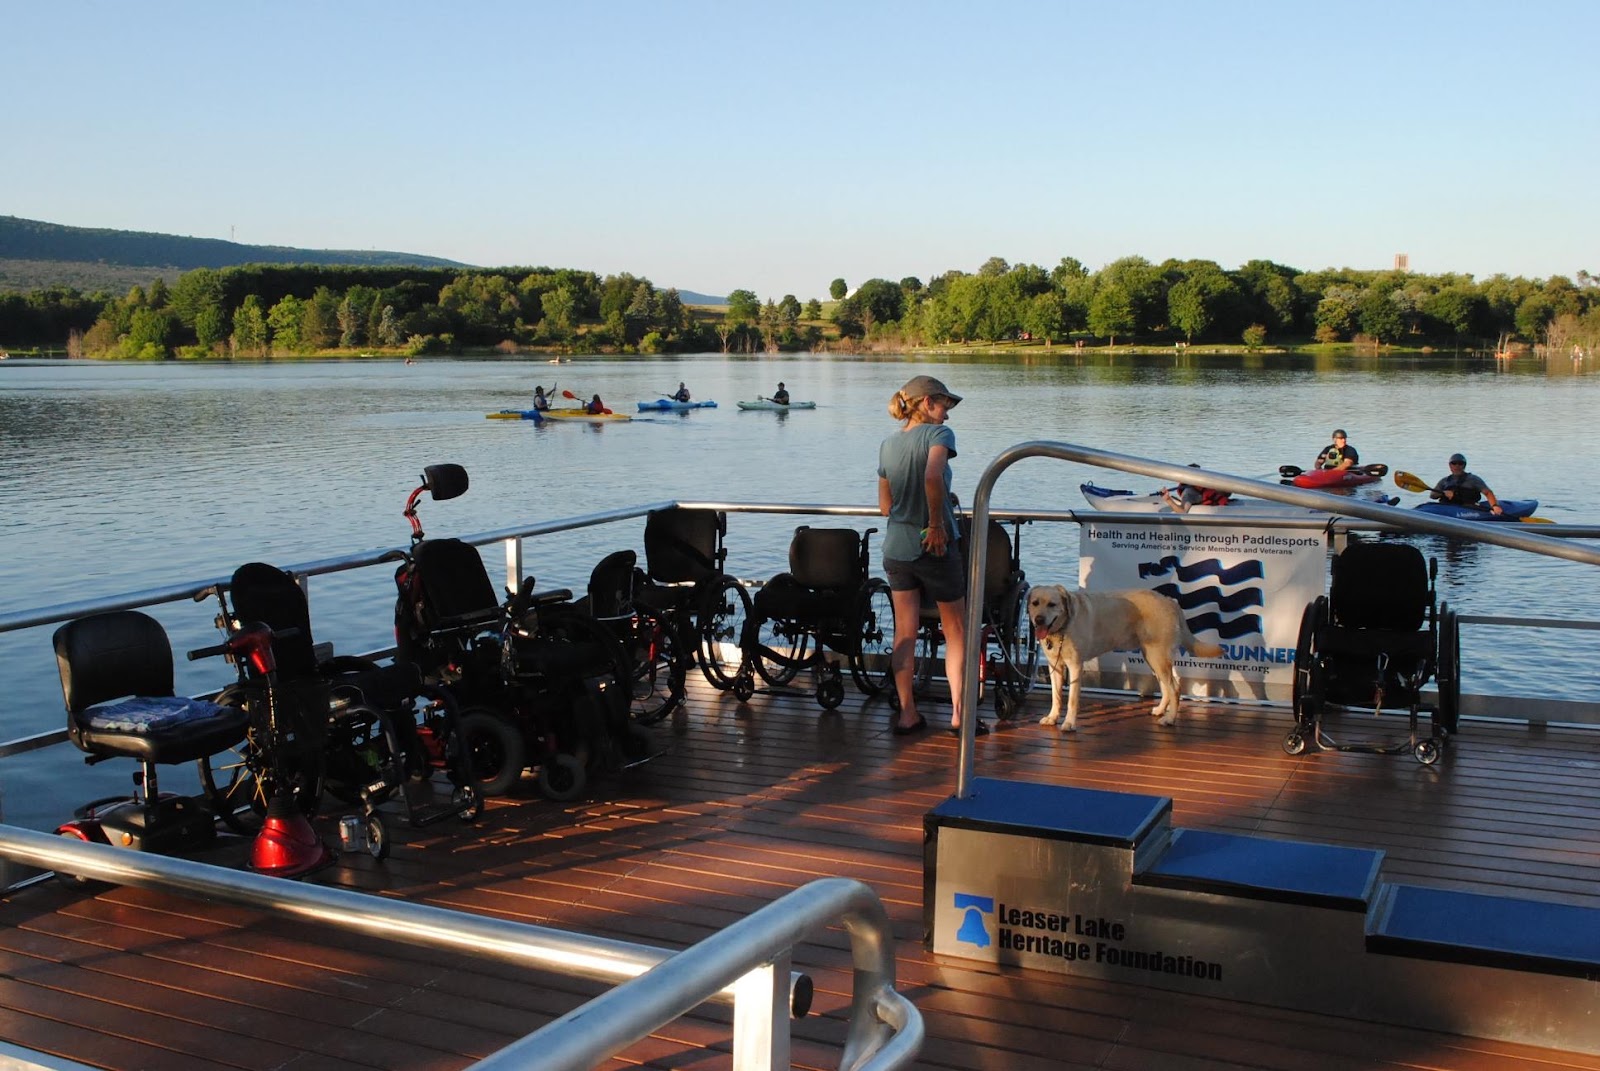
x=119 y=477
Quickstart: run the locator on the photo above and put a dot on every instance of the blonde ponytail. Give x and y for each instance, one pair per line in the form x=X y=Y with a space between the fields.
x=901 y=407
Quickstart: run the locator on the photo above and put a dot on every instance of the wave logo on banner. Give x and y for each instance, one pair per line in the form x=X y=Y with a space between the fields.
x=1201 y=583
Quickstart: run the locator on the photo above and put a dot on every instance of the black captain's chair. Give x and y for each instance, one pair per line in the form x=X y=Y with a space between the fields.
x=117 y=681
x=1372 y=643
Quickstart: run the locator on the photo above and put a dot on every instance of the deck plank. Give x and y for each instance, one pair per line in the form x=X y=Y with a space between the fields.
x=749 y=802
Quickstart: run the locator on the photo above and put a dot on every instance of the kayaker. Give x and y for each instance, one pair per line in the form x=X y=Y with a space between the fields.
x=540 y=401
x=780 y=396
x=1463 y=488
x=682 y=393
x=1186 y=495
x=1338 y=454
x=920 y=550
x=595 y=405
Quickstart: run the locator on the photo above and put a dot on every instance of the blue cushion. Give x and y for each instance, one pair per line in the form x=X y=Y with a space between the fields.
x=147 y=714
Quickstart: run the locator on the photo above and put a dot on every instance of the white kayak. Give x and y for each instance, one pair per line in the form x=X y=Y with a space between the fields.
x=1109 y=500
x=767 y=403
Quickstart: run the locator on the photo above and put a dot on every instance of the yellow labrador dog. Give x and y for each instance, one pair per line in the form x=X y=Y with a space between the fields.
x=1073 y=626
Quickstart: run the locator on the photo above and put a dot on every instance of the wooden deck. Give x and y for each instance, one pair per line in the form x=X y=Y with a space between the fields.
x=752 y=802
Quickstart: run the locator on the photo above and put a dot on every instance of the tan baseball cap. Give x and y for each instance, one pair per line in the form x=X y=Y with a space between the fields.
x=927 y=387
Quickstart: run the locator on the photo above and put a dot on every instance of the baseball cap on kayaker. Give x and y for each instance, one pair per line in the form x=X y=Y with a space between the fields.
x=1338 y=433
x=927 y=387
x=1458 y=459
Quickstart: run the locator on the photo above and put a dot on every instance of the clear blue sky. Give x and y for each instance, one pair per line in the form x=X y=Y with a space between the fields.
x=712 y=146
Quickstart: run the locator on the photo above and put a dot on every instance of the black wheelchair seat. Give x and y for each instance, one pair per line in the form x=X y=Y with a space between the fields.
x=117 y=680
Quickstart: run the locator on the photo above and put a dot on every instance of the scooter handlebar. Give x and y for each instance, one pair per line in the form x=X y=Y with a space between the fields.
x=233 y=642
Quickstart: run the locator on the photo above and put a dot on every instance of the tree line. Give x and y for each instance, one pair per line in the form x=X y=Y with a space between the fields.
x=260 y=310
x=1199 y=301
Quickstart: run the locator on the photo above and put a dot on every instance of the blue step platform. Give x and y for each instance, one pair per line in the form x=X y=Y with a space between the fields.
x=1100 y=884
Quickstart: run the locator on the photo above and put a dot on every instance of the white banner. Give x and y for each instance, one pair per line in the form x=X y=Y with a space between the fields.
x=1244 y=588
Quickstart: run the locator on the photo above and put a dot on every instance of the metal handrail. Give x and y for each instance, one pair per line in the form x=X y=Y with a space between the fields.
x=1512 y=536
x=746 y=964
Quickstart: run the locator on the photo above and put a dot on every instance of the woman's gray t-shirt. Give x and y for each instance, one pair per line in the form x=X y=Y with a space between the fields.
x=903 y=461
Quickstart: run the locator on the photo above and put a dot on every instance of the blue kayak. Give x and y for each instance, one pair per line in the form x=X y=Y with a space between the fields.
x=1511 y=509
x=669 y=404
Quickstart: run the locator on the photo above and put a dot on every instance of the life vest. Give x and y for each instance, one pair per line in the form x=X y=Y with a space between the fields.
x=1208 y=496
x=1466 y=494
x=1332 y=458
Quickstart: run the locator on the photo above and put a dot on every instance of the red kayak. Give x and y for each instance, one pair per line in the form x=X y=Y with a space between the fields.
x=1335 y=478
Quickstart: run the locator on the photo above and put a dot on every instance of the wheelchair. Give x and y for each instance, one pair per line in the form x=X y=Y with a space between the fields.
x=1010 y=662
x=538 y=680
x=1372 y=642
x=343 y=726
x=685 y=588
x=117 y=680
x=826 y=601
x=660 y=644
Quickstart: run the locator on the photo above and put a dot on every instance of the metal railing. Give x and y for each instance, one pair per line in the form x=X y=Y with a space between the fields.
x=1512 y=536
x=746 y=965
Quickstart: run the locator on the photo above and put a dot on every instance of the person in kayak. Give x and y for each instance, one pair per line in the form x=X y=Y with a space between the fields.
x=595 y=405
x=1185 y=495
x=681 y=394
x=1338 y=454
x=1463 y=488
x=920 y=548
x=780 y=396
x=541 y=401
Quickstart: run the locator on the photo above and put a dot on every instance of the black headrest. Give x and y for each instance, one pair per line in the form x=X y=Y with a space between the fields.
x=997 y=563
x=455 y=583
x=267 y=594
x=826 y=557
x=611 y=585
x=445 y=481
x=1380 y=585
x=112 y=655
x=681 y=545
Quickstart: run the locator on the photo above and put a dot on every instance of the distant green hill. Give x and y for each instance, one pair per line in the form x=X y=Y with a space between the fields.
x=34 y=254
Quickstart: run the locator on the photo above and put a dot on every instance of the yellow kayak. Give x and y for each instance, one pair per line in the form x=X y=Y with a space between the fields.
x=579 y=414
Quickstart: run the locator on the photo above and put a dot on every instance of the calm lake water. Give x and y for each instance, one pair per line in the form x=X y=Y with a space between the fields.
x=120 y=477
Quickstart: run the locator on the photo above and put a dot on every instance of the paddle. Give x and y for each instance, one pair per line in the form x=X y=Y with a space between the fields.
x=1377 y=469
x=1407 y=482
x=573 y=397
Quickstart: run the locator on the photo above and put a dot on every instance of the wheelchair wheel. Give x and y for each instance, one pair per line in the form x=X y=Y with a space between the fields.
x=1310 y=677
x=495 y=752
x=1294 y=742
x=830 y=693
x=468 y=803
x=722 y=621
x=744 y=686
x=377 y=838
x=659 y=672
x=1448 y=675
x=789 y=643
x=870 y=662
x=238 y=782
x=1426 y=751
x=562 y=777
x=1017 y=668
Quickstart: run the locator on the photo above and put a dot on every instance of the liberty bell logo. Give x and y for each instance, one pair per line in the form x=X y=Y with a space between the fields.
x=973 y=929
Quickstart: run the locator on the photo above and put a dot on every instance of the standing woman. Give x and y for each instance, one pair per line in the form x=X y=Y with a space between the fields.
x=920 y=551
